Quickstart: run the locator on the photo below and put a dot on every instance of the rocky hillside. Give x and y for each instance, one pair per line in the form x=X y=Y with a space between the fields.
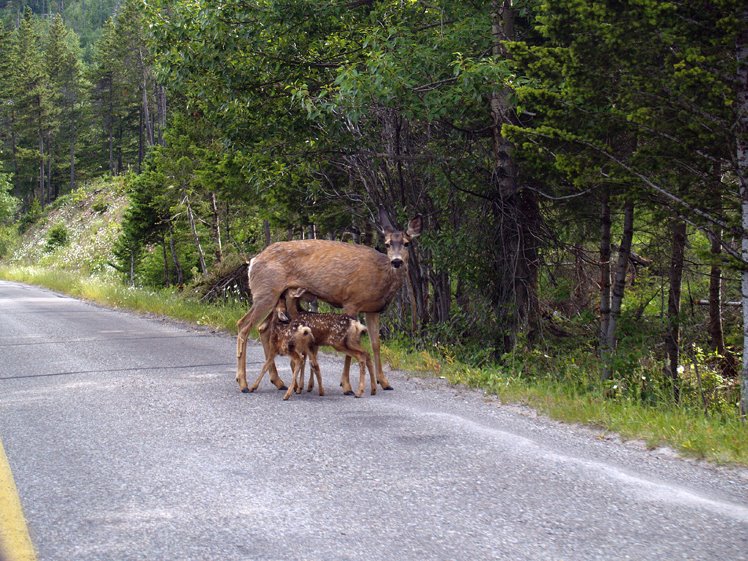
x=78 y=231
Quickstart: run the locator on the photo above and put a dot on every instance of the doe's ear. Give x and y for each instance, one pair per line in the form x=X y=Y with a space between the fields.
x=384 y=221
x=415 y=226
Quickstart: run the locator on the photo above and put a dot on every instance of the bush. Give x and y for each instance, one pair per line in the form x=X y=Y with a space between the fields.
x=8 y=240
x=57 y=236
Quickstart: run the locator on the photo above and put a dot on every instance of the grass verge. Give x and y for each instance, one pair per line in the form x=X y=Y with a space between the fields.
x=715 y=438
x=110 y=293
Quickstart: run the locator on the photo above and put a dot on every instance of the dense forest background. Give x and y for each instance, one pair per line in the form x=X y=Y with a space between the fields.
x=579 y=165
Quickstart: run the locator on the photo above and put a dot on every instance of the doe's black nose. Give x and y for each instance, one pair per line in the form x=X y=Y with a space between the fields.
x=396 y=263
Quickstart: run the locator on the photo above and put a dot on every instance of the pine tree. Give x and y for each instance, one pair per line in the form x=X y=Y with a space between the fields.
x=7 y=105
x=64 y=71
x=35 y=114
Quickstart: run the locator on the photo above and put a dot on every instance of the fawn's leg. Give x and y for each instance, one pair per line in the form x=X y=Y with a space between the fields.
x=265 y=368
x=295 y=363
x=345 y=381
x=300 y=381
x=267 y=346
x=315 y=373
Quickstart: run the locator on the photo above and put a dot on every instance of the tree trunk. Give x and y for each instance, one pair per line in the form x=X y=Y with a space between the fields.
x=42 y=183
x=502 y=28
x=619 y=285
x=175 y=257
x=72 y=163
x=604 y=267
x=266 y=231
x=110 y=127
x=216 y=228
x=195 y=237
x=516 y=214
x=52 y=192
x=161 y=112
x=419 y=308
x=146 y=110
x=728 y=364
x=742 y=169
x=166 y=261
x=672 y=339
x=528 y=265
x=141 y=147
x=716 y=335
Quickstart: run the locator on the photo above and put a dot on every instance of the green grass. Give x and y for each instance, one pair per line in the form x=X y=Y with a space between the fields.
x=722 y=439
x=717 y=438
x=111 y=293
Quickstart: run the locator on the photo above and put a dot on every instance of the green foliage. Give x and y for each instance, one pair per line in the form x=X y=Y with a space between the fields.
x=32 y=214
x=57 y=236
x=297 y=119
x=8 y=203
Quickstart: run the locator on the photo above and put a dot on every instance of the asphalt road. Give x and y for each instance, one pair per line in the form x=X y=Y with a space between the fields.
x=128 y=439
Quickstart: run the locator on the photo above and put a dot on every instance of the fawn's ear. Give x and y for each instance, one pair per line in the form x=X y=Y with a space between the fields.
x=415 y=226
x=296 y=292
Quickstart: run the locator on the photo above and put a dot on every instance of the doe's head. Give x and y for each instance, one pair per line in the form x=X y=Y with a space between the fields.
x=396 y=241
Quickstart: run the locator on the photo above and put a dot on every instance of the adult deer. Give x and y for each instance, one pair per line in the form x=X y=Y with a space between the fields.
x=354 y=277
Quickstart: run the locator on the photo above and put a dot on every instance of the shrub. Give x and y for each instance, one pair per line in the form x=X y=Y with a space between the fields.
x=57 y=236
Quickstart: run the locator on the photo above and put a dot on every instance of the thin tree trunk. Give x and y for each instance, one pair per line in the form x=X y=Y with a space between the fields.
x=146 y=110
x=72 y=163
x=175 y=257
x=42 y=183
x=52 y=194
x=141 y=147
x=604 y=267
x=14 y=151
x=195 y=237
x=672 y=339
x=166 y=260
x=619 y=285
x=528 y=264
x=110 y=127
x=216 y=227
x=161 y=112
x=132 y=268
x=266 y=231
x=716 y=335
x=742 y=169
x=728 y=364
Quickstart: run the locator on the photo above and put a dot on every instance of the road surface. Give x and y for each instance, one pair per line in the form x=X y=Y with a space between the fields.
x=128 y=439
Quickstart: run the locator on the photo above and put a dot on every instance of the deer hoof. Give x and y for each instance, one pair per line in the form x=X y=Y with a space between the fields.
x=245 y=390
x=349 y=392
x=283 y=387
x=388 y=388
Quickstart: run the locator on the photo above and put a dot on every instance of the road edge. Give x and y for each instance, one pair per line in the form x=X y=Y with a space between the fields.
x=15 y=542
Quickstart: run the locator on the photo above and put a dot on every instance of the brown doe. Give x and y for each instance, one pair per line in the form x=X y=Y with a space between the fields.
x=354 y=277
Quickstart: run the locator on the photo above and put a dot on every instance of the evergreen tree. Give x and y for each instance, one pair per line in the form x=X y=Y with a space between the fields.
x=36 y=117
x=63 y=68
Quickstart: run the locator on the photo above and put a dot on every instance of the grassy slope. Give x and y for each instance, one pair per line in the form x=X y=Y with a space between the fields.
x=92 y=216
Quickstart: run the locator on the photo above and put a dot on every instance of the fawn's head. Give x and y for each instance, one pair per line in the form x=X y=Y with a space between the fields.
x=395 y=241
